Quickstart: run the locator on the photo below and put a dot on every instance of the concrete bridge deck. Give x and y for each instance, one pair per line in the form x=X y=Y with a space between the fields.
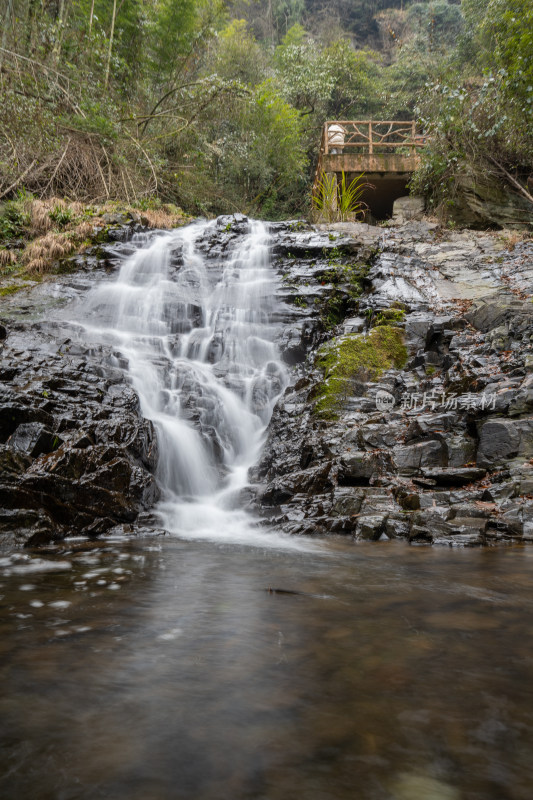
x=388 y=152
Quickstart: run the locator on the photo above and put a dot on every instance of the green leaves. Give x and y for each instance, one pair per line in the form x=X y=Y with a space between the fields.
x=335 y=201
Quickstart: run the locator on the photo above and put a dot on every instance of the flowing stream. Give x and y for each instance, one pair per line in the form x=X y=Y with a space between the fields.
x=198 y=339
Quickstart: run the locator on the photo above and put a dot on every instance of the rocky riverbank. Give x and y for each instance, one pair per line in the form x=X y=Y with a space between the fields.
x=76 y=456
x=434 y=444
x=409 y=411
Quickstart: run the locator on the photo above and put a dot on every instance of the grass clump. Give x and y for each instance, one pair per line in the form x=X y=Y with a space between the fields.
x=355 y=356
x=165 y=217
x=7 y=258
x=41 y=254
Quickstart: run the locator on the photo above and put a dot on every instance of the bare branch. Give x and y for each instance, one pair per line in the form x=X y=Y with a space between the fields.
x=143 y=151
x=56 y=170
x=523 y=191
x=19 y=179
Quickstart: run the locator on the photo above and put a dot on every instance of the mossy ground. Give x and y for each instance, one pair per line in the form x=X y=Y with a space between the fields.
x=355 y=356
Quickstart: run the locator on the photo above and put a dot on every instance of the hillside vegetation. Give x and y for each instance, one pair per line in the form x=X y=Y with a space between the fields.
x=217 y=107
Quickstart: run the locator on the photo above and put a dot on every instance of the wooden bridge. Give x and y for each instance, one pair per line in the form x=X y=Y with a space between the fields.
x=388 y=152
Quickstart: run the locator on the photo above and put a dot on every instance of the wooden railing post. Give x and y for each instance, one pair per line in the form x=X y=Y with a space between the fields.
x=370 y=142
x=326 y=137
x=413 y=136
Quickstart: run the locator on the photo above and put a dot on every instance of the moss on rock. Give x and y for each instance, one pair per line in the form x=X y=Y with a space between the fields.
x=355 y=356
x=389 y=316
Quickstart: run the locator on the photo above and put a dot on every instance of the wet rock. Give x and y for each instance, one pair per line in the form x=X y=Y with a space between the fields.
x=76 y=457
x=499 y=440
x=522 y=400
x=371 y=527
x=356 y=468
x=116 y=218
x=347 y=501
x=13 y=462
x=397 y=526
x=469 y=336
x=33 y=438
x=14 y=414
x=454 y=476
x=490 y=313
x=410 y=459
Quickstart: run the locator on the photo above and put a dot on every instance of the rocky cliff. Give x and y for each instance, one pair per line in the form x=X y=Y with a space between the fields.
x=432 y=440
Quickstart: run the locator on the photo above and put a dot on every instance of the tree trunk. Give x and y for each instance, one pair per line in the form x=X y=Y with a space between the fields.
x=32 y=13
x=56 y=52
x=111 y=36
x=91 y=17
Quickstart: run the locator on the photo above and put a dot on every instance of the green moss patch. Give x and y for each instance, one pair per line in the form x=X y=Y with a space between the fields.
x=389 y=316
x=12 y=288
x=355 y=356
x=346 y=287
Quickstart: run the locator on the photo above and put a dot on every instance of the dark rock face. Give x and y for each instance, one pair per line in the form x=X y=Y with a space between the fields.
x=76 y=456
x=449 y=457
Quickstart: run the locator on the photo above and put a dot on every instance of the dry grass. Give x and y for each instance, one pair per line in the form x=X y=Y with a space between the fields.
x=162 y=218
x=57 y=228
x=166 y=217
x=41 y=254
x=37 y=266
x=45 y=213
x=84 y=230
x=7 y=258
x=40 y=221
x=511 y=237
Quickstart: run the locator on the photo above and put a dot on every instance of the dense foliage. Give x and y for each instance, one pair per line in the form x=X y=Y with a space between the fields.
x=478 y=109
x=217 y=106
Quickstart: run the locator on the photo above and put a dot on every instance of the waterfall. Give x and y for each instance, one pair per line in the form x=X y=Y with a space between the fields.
x=198 y=336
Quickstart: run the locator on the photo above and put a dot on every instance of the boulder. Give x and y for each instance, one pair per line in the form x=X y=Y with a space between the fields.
x=407 y=208
x=371 y=527
x=34 y=439
x=410 y=459
x=499 y=440
x=483 y=201
x=489 y=313
x=454 y=476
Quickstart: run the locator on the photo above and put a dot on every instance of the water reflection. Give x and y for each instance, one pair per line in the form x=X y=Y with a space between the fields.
x=164 y=669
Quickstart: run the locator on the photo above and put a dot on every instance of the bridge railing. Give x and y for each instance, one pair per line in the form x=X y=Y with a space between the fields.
x=368 y=136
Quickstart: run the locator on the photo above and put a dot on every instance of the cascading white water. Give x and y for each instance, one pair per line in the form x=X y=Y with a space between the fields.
x=198 y=336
